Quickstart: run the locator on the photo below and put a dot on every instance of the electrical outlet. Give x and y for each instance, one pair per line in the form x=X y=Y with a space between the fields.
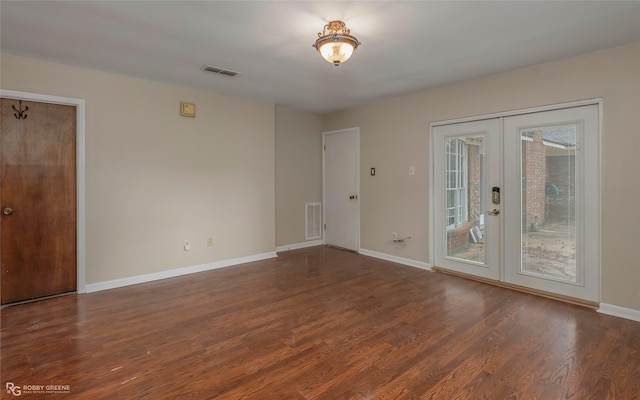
x=187 y=246
x=210 y=241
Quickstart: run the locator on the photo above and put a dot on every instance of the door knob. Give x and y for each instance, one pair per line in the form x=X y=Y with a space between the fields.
x=494 y=212
x=7 y=211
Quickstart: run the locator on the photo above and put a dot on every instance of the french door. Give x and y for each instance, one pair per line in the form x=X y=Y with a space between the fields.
x=516 y=200
x=467 y=162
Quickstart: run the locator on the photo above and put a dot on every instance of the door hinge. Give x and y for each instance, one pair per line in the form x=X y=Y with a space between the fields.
x=325 y=227
x=324 y=147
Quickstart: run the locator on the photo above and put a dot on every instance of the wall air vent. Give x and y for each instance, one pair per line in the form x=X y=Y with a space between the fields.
x=221 y=71
x=313 y=219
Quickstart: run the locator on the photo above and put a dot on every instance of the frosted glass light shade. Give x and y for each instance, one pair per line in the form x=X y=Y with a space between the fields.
x=336 y=52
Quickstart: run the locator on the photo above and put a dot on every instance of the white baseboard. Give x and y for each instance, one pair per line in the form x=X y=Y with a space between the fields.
x=618 y=311
x=395 y=259
x=302 y=245
x=132 y=280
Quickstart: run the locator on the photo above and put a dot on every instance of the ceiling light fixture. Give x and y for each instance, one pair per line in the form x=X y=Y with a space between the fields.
x=335 y=44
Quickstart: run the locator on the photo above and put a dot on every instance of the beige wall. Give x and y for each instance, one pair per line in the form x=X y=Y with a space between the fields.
x=155 y=179
x=395 y=135
x=298 y=171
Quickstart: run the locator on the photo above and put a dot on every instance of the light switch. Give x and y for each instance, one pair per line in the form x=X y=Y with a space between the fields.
x=412 y=171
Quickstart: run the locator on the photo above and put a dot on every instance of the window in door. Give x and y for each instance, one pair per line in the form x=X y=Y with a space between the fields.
x=548 y=202
x=465 y=219
x=456 y=183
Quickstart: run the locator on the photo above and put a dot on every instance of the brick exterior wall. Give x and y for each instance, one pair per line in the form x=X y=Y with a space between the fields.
x=534 y=175
x=473 y=184
x=458 y=237
x=561 y=187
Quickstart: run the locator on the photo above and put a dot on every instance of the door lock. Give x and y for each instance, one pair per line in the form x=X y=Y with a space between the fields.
x=495 y=195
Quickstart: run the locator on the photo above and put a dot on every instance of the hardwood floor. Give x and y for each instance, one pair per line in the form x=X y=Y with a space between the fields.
x=318 y=323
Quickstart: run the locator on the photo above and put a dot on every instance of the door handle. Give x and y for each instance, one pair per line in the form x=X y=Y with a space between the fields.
x=7 y=211
x=495 y=211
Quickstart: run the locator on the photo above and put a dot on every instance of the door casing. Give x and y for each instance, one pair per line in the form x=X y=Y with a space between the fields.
x=80 y=170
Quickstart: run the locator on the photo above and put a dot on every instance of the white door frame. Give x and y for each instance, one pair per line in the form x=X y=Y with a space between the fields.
x=80 y=170
x=596 y=249
x=490 y=130
x=324 y=202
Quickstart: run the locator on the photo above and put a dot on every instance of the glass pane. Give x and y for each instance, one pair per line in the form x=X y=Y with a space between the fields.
x=465 y=225
x=548 y=202
x=451 y=180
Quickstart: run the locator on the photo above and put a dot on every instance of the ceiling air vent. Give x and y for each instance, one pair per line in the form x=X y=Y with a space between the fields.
x=221 y=71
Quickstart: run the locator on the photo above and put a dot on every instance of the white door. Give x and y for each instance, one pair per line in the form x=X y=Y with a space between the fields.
x=516 y=199
x=467 y=164
x=341 y=188
x=552 y=214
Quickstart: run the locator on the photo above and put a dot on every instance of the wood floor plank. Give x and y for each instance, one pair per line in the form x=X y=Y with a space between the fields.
x=318 y=323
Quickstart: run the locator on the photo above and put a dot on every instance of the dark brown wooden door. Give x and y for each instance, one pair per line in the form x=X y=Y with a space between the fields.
x=37 y=200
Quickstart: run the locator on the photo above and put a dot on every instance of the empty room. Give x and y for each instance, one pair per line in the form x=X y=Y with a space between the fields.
x=320 y=200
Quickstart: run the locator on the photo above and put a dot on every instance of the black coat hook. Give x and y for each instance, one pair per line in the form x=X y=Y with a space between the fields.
x=21 y=113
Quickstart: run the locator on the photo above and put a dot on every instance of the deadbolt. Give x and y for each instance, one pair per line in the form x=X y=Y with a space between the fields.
x=7 y=211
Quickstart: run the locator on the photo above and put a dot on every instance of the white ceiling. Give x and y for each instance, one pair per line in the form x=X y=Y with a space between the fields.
x=407 y=46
